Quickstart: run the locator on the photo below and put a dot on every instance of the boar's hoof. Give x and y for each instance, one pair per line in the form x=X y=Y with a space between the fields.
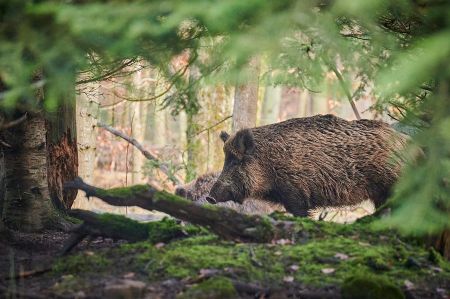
x=211 y=200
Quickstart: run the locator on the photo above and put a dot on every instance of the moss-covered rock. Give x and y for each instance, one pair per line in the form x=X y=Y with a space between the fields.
x=366 y=286
x=214 y=288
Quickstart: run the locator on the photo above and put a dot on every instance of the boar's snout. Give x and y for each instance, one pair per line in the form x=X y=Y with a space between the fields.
x=220 y=192
x=181 y=191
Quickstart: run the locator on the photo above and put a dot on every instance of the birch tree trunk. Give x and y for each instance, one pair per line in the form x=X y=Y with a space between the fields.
x=137 y=127
x=139 y=134
x=246 y=100
x=27 y=205
x=271 y=105
x=87 y=110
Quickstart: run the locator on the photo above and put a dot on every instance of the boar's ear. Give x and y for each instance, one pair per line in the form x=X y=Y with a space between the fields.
x=244 y=142
x=224 y=136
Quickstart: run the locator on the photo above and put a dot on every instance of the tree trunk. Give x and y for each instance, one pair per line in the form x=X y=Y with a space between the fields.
x=87 y=109
x=137 y=175
x=271 y=105
x=441 y=243
x=27 y=205
x=192 y=144
x=2 y=191
x=62 y=158
x=40 y=155
x=246 y=100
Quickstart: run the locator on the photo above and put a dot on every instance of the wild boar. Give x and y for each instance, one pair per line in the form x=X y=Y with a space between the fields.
x=198 y=190
x=312 y=162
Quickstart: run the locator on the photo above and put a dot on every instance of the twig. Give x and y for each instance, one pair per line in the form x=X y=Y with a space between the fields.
x=14 y=122
x=346 y=91
x=173 y=80
x=107 y=74
x=27 y=274
x=164 y=168
x=214 y=125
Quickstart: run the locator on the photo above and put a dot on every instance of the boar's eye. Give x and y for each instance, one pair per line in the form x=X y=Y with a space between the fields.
x=231 y=160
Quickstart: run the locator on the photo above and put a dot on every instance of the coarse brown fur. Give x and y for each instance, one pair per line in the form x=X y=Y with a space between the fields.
x=198 y=189
x=311 y=162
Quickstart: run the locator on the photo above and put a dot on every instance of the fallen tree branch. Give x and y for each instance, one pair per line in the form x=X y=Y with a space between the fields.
x=226 y=223
x=149 y=156
x=28 y=274
x=119 y=227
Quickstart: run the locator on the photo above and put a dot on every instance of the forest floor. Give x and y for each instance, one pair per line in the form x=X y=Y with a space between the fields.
x=322 y=260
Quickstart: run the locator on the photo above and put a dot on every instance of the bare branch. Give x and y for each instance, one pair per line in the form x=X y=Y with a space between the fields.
x=164 y=167
x=346 y=91
x=16 y=122
x=109 y=74
x=214 y=125
x=173 y=80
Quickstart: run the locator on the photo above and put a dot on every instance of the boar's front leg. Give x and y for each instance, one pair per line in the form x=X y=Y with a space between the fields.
x=296 y=206
x=295 y=202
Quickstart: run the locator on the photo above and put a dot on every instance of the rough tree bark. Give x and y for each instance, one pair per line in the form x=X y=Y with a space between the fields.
x=27 y=204
x=62 y=153
x=246 y=100
x=39 y=155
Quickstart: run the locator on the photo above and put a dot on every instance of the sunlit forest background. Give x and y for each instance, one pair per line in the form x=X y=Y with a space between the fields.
x=135 y=104
x=124 y=101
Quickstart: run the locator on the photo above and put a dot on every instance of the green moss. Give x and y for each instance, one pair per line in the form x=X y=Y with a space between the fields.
x=380 y=254
x=124 y=226
x=435 y=257
x=124 y=191
x=366 y=286
x=214 y=288
x=155 y=231
x=168 y=229
x=264 y=231
x=165 y=196
x=82 y=263
x=68 y=284
x=377 y=263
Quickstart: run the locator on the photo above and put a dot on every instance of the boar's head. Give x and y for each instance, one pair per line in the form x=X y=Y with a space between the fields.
x=242 y=174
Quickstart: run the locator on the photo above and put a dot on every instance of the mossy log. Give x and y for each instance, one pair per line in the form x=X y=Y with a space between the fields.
x=226 y=223
x=120 y=227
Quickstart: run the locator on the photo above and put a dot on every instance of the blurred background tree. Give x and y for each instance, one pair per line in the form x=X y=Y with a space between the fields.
x=396 y=52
